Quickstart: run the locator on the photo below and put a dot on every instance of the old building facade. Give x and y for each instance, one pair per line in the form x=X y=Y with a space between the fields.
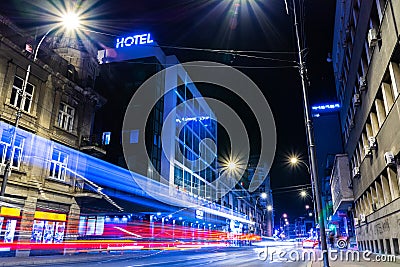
x=366 y=59
x=40 y=200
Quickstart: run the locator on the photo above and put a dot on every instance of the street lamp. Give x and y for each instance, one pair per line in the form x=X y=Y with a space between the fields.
x=263 y=195
x=231 y=166
x=295 y=161
x=69 y=21
x=310 y=138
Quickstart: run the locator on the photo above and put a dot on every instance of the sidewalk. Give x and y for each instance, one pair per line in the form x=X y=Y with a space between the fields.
x=73 y=258
x=366 y=259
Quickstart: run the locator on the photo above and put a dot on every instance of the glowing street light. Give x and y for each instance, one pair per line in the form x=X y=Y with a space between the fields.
x=303 y=193
x=71 y=20
x=307 y=207
x=231 y=166
x=294 y=160
x=284 y=215
x=269 y=208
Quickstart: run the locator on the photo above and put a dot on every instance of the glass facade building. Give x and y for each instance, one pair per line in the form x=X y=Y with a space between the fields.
x=195 y=123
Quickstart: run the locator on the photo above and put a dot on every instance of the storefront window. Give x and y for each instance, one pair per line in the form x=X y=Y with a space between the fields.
x=10 y=231
x=48 y=227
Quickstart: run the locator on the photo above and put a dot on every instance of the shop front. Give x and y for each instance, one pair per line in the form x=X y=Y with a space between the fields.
x=47 y=228
x=10 y=219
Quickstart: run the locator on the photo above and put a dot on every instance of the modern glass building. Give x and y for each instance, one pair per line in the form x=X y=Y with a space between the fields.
x=190 y=163
x=194 y=123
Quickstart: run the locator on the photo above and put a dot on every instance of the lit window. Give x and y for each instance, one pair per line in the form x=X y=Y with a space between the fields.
x=58 y=165
x=66 y=117
x=134 y=137
x=16 y=99
x=5 y=151
x=106 y=138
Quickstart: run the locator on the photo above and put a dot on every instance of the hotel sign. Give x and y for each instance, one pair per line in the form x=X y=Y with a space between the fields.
x=138 y=39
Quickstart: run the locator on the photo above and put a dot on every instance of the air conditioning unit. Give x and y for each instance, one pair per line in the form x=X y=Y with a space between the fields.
x=374 y=208
x=350 y=183
x=352 y=124
x=367 y=151
x=372 y=142
x=389 y=158
x=362 y=217
x=372 y=37
x=356 y=99
x=356 y=172
x=362 y=83
x=355 y=221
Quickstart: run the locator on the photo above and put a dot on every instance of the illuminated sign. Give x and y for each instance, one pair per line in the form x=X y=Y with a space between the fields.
x=202 y=118
x=5 y=211
x=326 y=107
x=138 y=39
x=50 y=216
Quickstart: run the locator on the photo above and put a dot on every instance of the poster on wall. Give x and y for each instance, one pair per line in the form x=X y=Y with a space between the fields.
x=37 y=231
x=59 y=232
x=82 y=225
x=10 y=231
x=1 y=225
x=48 y=232
x=99 y=225
x=91 y=224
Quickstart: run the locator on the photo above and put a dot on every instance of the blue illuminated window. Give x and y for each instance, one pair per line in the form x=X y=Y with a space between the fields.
x=134 y=137
x=105 y=139
x=18 y=148
x=178 y=176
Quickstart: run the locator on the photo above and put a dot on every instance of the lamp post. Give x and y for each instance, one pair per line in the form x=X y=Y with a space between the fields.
x=69 y=21
x=310 y=140
x=294 y=160
x=263 y=196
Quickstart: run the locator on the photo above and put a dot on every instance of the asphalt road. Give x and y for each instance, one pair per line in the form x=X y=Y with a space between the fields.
x=221 y=257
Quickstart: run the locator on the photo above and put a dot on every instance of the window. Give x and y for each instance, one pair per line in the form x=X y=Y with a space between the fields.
x=16 y=98
x=178 y=176
x=5 y=152
x=58 y=165
x=66 y=117
x=106 y=137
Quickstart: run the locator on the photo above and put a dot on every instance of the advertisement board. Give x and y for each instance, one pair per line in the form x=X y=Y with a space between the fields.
x=48 y=232
x=59 y=232
x=37 y=231
x=10 y=231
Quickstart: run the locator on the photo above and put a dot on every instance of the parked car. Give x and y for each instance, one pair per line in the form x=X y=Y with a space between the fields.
x=310 y=243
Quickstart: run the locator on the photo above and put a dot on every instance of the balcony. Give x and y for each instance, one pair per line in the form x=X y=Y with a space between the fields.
x=341 y=184
x=93 y=145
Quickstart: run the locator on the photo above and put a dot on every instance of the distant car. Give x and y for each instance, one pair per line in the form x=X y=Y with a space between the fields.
x=310 y=243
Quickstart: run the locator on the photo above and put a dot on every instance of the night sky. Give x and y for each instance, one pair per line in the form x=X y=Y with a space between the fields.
x=256 y=25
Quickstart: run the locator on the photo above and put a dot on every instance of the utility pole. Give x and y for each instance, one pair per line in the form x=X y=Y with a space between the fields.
x=311 y=143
